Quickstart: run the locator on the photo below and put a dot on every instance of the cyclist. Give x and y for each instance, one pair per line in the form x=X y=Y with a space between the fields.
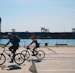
x=36 y=44
x=14 y=40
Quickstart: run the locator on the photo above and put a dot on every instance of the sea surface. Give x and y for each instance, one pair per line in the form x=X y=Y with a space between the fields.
x=51 y=42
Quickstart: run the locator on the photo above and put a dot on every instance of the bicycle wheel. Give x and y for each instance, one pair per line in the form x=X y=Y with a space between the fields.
x=2 y=59
x=40 y=55
x=19 y=58
x=26 y=54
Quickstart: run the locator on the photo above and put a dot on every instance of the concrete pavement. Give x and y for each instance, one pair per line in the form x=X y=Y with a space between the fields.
x=57 y=60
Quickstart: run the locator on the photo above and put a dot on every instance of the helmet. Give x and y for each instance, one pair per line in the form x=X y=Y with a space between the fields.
x=32 y=37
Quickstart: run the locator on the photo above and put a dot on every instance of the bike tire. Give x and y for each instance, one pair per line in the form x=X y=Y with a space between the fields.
x=26 y=54
x=19 y=58
x=40 y=55
x=2 y=59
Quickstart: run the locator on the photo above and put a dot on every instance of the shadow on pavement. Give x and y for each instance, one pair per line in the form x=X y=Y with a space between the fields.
x=13 y=67
x=37 y=60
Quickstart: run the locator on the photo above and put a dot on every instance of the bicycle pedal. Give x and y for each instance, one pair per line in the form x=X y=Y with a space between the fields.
x=33 y=55
x=11 y=61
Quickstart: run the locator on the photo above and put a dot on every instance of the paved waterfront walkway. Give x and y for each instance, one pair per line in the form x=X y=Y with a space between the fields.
x=57 y=60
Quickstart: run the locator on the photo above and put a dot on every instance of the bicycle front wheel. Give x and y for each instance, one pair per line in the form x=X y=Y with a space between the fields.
x=19 y=58
x=2 y=59
x=40 y=55
x=26 y=54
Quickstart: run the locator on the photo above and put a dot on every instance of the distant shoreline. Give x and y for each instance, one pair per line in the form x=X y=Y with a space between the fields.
x=42 y=35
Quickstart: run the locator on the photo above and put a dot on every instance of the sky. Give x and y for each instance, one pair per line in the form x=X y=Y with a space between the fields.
x=31 y=15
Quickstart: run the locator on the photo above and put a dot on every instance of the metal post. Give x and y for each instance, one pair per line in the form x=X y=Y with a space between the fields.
x=0 y=30
x=0 y=24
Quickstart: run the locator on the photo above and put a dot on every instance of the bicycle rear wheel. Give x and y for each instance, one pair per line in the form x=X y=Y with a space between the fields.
x=40 y=55
x=19 y=58
x=2 y=59
x=26 y=54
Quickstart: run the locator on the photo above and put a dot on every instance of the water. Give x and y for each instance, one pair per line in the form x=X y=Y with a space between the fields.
x=51 y=42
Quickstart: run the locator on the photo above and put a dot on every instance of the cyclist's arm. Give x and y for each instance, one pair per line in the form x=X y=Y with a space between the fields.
x=7 y=43
x=31 y=43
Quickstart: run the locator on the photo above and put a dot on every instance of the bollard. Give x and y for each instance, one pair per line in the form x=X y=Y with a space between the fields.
x=46 y=44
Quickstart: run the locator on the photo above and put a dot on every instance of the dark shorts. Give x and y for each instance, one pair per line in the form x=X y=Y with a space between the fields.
x=37 y=45
x=13 y=48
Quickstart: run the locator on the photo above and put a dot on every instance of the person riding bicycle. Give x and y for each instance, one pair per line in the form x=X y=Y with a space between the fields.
x=36 y=44
x=14 y=40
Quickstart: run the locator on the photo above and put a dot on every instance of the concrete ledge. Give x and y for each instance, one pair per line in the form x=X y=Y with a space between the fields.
x=61 y=44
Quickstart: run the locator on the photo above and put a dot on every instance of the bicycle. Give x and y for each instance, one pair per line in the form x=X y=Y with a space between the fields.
x=40 y=54
x=19 y=57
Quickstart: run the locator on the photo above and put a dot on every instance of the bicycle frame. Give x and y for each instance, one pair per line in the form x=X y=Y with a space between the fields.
x=4 y=52
x=31 y=50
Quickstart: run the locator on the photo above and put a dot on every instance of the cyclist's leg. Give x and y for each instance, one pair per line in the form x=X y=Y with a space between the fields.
x=11 y=49
x=34 y=51
x=37 y=46
x=14 y=51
